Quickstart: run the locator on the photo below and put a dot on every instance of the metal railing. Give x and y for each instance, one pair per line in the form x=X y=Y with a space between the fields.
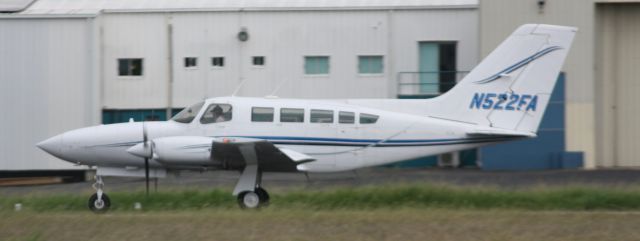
x=427 y=84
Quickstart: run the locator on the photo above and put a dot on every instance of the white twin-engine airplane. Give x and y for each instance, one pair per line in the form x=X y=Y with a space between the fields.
x=502 y=99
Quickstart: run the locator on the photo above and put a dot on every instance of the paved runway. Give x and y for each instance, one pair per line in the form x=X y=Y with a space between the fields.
x=374 y=176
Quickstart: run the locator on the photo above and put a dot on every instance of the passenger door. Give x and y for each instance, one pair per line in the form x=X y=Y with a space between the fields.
x=349 y=155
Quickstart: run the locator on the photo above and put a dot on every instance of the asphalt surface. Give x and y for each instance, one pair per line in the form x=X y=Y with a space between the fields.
x=366 y=177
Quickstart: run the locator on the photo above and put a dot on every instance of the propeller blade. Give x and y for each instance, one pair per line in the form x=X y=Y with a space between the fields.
x=145 y=141
x=144 y=134
x=146 y=173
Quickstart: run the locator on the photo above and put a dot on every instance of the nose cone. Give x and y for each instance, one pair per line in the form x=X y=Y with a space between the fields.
x=140 y=150
x=52 y=146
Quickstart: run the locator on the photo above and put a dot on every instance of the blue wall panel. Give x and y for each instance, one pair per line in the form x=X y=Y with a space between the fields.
x=120 y=116
x=547 y=151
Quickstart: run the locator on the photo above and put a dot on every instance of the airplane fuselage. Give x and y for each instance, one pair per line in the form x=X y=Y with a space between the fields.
x=339 y=136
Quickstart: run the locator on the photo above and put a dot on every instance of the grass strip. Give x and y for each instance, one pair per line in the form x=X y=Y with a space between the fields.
x=386 y=197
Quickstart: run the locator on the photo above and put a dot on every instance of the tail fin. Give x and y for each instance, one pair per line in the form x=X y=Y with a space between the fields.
x=510 y=88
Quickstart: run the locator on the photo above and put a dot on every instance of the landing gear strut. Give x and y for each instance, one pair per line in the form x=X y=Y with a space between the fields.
x=99 y=202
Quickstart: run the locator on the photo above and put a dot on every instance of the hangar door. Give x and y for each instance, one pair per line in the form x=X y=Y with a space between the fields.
x=618 y=87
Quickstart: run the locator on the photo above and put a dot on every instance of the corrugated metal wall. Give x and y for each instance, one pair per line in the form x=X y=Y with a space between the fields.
x=134 y=36
x=284 y=38
x=58 y=74
x=619 y=58
x=47 y=87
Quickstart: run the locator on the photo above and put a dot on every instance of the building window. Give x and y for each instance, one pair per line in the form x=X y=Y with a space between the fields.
x=345 y=117
x=190 y=62
x=262 y=114
x=258 y=61
x=368 y=118
x=437 y=67
x=321 y=116
x=370 y=64
x=316 y=65
x=217 y=62
x=130 y=67
x=291 y=115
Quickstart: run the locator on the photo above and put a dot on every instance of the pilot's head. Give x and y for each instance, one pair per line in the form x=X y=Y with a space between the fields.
x=217 y=110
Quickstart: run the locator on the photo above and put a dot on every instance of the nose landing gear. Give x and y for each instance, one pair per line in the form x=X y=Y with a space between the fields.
x=99 y=202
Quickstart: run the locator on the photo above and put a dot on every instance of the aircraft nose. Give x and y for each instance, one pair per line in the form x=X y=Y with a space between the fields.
x=52 y=145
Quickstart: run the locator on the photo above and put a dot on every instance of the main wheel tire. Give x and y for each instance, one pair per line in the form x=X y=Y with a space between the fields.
x=263 y=195
x=249 y=200
x=99 y=206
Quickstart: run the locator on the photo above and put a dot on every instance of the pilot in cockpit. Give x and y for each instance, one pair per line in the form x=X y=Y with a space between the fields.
x=218 y=116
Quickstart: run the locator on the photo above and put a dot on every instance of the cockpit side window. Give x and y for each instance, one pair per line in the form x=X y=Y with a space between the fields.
x=188 y=114
x=216 y=113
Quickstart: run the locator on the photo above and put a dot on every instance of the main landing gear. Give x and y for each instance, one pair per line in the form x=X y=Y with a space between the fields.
x=99 y=202
x=248 y=190
x=253 y=199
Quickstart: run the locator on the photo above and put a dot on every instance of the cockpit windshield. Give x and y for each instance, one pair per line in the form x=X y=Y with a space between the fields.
x=188 y=114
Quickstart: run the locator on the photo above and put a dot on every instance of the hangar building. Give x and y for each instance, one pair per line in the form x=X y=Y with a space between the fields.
x=602 y=83
x=69 y=64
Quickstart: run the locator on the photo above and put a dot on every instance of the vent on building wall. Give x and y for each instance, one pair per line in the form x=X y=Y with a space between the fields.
x=243 y=35
x=541 y=4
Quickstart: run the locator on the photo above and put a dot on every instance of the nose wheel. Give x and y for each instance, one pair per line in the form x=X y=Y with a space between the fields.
x=99 y=202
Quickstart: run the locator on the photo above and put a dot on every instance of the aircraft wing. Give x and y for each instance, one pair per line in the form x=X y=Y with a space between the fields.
x=239 y=152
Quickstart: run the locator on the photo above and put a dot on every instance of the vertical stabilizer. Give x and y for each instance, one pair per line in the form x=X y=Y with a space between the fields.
x=511 y=87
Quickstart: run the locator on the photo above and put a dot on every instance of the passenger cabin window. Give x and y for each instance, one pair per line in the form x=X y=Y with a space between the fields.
x=345 y=117
x=368 y=118
x=321 y=116
x=291 y=115
x=262 y=114
x=216 y=113
x=188 y=114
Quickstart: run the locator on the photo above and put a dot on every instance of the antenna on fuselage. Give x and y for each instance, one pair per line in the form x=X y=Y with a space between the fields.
x=239 y=87
x=273 y=93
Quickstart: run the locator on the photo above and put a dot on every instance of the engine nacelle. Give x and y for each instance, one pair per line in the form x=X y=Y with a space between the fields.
x=183 y=150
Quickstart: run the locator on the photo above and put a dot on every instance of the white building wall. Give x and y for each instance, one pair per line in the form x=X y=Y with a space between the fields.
x=59 y=72
x=411 y=27
x=134 y=36
x=284 y=38
x=47 y=88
